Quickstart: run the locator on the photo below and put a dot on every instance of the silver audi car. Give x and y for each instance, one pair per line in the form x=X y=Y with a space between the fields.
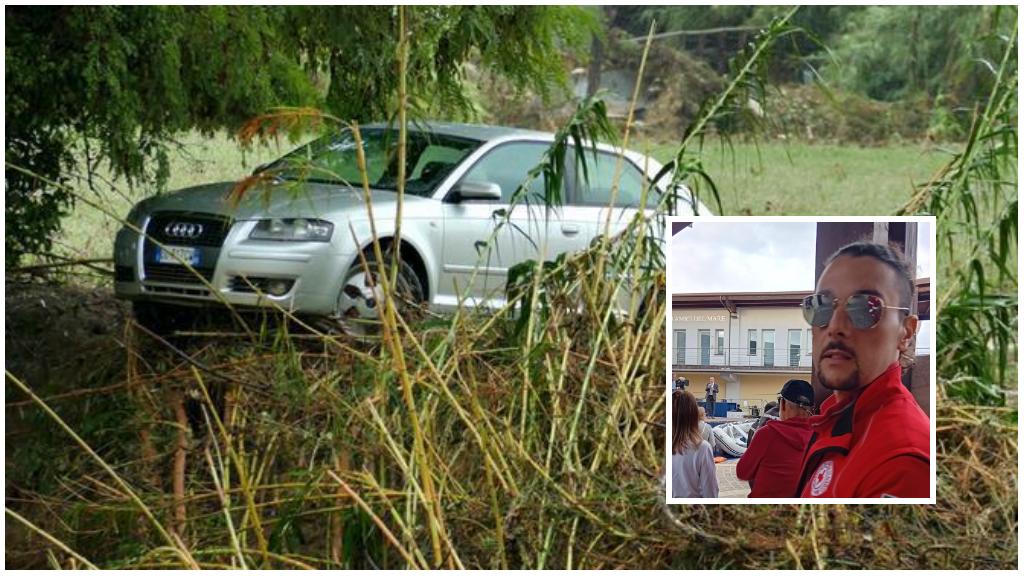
x=295 y=242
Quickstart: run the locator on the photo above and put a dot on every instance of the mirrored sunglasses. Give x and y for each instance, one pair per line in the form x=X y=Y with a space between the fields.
x=864 y=310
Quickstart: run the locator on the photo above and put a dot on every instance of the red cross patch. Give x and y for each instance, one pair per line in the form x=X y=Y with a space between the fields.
x=822 y=478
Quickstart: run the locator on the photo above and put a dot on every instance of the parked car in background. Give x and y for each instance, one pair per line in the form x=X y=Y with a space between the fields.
x=298 y=244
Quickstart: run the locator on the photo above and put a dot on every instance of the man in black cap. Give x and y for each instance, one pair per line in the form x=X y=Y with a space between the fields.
x=772 y=461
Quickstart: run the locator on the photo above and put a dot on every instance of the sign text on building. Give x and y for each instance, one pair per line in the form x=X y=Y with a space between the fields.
x=700 y=317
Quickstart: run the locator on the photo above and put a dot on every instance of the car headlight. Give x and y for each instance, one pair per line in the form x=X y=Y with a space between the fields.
x=293 y=229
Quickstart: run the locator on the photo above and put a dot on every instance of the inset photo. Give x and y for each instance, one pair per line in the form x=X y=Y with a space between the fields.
x=800 y=360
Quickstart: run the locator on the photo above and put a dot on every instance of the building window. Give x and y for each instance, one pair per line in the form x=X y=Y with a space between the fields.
x=768 y=346
x=807 y=342
x=720 y=342
x=752 y=340
x=794 y=347
x=704 y=339
x=680 y=347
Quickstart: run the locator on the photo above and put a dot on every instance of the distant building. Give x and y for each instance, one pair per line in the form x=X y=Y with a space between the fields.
x=751 y=342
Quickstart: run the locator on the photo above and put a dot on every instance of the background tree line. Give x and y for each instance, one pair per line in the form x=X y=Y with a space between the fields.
x=884 y=52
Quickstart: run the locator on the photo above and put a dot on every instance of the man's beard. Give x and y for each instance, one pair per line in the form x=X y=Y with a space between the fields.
x=850 y=383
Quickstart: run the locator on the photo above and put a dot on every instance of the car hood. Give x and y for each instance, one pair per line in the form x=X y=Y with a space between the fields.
x=281 y=200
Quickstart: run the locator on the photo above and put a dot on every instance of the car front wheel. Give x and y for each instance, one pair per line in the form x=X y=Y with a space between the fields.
x=360 y=302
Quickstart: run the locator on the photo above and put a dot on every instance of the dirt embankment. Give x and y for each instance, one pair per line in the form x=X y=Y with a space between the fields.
x=53 y=331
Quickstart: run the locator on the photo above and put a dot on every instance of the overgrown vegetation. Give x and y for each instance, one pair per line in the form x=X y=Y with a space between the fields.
x=924 y=68
x=531 y=437
x=976 y=193
x=886 y=53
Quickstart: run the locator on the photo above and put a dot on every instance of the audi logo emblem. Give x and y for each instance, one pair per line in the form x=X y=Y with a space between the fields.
x=183 y=230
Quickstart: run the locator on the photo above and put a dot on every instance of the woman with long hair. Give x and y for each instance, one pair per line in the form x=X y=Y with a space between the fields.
x=693 y=462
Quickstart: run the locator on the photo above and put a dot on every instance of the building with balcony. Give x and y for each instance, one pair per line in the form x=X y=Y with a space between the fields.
x=751 y=342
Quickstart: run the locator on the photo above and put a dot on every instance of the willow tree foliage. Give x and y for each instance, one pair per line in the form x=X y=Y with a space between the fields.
x=357 y=46
x=112 y=86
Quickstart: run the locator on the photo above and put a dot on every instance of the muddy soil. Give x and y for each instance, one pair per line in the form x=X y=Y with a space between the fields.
x=53 y=331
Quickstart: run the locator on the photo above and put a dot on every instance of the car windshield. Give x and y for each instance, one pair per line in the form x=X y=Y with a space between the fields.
x=332 y=160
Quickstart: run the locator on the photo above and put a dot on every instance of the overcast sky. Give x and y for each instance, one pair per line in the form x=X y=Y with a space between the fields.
x=756 y=257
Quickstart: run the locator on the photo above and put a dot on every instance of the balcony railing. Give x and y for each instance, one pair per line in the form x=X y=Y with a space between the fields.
x=762 y=359
x=780 y=360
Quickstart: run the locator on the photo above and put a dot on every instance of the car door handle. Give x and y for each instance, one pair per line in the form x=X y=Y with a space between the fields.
x=570 y=229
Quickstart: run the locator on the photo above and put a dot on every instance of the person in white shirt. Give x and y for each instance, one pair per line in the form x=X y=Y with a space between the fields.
x=693 y=462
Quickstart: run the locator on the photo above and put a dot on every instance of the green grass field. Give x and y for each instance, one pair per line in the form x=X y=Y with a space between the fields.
x=796 y=178
x=773 y=178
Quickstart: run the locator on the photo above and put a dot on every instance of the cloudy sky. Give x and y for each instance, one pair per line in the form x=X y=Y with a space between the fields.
x=761 y=257
x=755 y=257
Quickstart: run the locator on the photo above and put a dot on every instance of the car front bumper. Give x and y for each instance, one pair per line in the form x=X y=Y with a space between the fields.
x=239 y=272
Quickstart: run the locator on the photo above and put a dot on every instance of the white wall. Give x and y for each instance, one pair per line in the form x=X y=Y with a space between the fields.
x=781 y=321
x=735 y=352
x=693 y=321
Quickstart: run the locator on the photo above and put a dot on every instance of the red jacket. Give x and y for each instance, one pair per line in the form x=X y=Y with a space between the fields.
x=876 y=446
x=772 y=461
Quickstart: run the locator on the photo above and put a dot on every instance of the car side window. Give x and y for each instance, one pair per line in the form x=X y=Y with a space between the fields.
x=596 y=190
x=508 y=165
x=434 y=163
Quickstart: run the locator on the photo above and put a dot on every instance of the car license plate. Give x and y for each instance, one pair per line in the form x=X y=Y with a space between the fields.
x=177 y=254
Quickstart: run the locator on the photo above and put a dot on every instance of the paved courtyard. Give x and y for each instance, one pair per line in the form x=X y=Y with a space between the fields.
x=729 y=486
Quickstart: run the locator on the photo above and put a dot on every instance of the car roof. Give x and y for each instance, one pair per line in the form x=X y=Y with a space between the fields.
x=489 y=133
x=481 y=132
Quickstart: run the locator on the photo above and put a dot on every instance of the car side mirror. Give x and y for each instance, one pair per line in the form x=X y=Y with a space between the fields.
x=477 y=190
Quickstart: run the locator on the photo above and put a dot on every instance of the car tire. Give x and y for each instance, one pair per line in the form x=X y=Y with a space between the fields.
x=359 y=303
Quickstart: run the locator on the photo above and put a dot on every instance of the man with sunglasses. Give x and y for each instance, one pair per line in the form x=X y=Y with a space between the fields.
x=871 y=439
x=771 y=463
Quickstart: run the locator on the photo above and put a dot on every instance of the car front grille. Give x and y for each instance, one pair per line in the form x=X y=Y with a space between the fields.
x=210 y=230
x=176 y=274
x=177 y=291
x=214 y=228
